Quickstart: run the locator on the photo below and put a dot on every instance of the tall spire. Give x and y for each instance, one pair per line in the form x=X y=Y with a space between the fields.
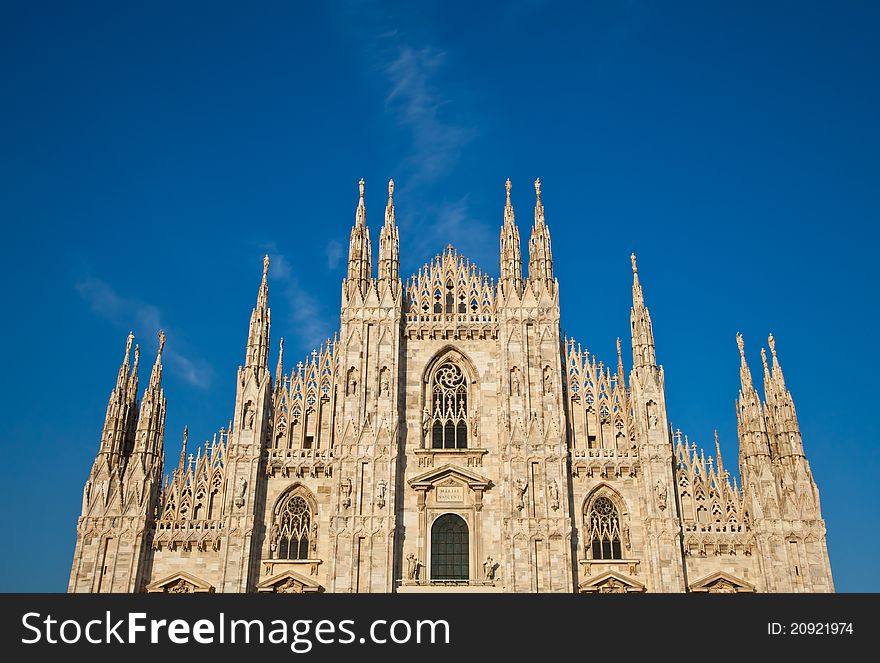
x=121 y=417
x=751 y=426
x=718 y=456
x=257 y=355
x=644 y=354
x=360 y=270
x=540 y=253
x=389 y=246
x=782 y=422
x=279 y=369
x=511 y=256
x=151 y=420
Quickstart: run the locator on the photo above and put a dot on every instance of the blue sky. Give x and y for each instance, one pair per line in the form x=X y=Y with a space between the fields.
x=150 y=155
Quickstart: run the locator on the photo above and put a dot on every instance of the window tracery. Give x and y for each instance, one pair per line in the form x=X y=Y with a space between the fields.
x=604 y=530
x=449 y=408
x=293 y=531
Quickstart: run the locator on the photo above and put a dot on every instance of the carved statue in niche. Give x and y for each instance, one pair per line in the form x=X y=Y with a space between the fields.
x=412 y=567
x=548 y=380
x=475 y=421
x=384 y=383
x=660 y=492
x=274 y=533
x=313 y=538
x=346 y=493
x=553 y=490
x=380 y=493
x=247 y=417
x=626 y=539
x=652 y=415
x=240 y=491
x=521 y=485
x=515 y=385
x=352 y=382
x=489 y=569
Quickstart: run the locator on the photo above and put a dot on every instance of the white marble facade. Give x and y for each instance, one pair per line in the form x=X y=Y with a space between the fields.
x=450 y=438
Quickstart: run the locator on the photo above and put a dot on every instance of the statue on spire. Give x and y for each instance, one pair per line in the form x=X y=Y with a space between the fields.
x=161 y=343
x=361 y=188
x=390 y=191
x=507 y=187
x=537 y=189
x=740 y=344
x=632 y=259
x=265 y=264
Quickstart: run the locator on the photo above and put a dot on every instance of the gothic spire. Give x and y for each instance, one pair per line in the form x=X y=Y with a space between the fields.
x=360 y=269
x=511 y=256
x=540 y=253
x=782 y=419
x=151 y=420
x=751 y=427
x=121 y=416
x=183 y=448
x=389 y=246
x=718 y=456
x=257 y=355
x=279 y=369
x=644 y=354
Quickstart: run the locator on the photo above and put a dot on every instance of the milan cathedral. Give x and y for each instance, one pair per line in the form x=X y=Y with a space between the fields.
x=450 y=438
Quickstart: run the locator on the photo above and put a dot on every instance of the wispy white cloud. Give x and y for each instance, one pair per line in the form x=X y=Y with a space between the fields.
x=309 y=322
x=145 y=320
x=334 y=253
x=417 y=102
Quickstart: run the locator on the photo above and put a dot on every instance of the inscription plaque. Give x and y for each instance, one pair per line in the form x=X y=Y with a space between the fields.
x=450 y=493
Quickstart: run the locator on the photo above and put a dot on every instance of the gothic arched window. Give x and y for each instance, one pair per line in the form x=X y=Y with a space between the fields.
x=449 y=548
x=294 y=529
x=604 y=524
x=449 y=396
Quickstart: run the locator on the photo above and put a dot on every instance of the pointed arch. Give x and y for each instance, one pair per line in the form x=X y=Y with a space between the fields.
x=294 y=530
x=605 y=523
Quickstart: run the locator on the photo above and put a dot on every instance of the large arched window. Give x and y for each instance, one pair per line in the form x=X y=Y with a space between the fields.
x=294 y=529
x=604 y=528
x=449 y=403
x=449 y=548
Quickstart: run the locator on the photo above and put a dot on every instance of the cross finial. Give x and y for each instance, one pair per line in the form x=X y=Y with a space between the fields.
x=632 y=259
x=507 y=187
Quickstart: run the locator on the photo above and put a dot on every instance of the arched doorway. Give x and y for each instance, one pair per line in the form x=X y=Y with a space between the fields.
x=450 y=548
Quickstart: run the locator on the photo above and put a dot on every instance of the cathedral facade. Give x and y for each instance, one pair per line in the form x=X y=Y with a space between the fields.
x=450 y=438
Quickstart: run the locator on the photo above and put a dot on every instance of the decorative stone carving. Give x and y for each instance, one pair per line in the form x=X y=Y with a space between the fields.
x=521 y=485
x=240 y=491
x=660 y=493
x=380 y=493
x=346 y=493
x=553 y=490
x=413 y=566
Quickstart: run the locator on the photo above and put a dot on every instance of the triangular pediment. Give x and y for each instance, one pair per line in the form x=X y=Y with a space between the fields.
x=289 y=582
x=180 y=583
x=436 y=475
x=611 y=582
x=722 y=583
